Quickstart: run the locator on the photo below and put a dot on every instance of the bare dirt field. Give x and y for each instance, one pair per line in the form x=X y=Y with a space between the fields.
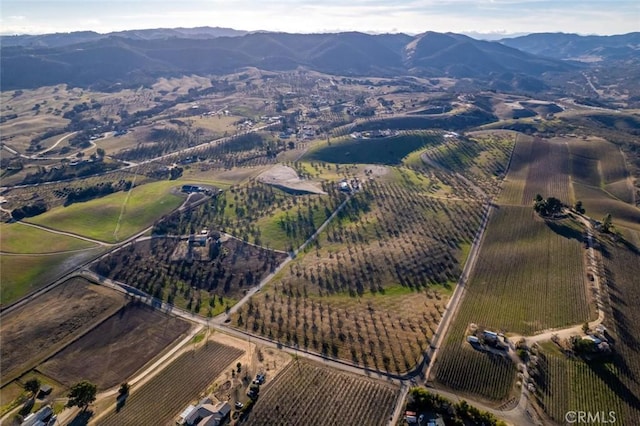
x=256 y=359
x=286 y=178
x=117 y=348
x=36 y=330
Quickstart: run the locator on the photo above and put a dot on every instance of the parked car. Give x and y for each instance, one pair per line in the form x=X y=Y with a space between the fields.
x=239 y=405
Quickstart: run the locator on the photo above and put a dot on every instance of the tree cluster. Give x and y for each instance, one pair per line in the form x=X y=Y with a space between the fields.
x=29 y=210
x=547 y=207
x=461 y=413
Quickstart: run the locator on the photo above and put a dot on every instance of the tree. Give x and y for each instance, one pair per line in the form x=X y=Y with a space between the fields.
x=607 y=223
x=239 y=366
x=549 y=207
x=124 y=389
x=100 y=152
x=82 y=394
x=578 y=207
x=32 y=385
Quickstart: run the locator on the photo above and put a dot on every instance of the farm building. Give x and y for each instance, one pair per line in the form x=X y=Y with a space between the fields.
x=205 y=414
x=410 y=417
x=44 y=391
x=490 y=336
x=191 y=188
x=43 y=417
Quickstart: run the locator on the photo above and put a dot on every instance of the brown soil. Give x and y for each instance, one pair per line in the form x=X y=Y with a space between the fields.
x=117 y=348
x=42 y=326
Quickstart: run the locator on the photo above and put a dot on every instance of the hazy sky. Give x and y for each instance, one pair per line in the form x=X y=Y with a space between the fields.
x=410 y=16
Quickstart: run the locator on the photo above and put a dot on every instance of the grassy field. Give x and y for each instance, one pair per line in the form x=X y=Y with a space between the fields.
x=383 y=150
x=20 y=238
x=307 y=393
x=110 y=353
x=164 y=397
x=117 y=216
x=46 y=324
x=22 y=274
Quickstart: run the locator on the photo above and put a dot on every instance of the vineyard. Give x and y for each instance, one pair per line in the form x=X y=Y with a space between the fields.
x=481 y=158
x=379 y=274
x=306 y=393
x=622 y=269
x=566 y=384
x=600 y=181
x=55 y=194
x=207 y=286
x=163 y=397
x=526 y=272
x=459 y=366
x=111 y=352
x=548 y=172
x=514 y=183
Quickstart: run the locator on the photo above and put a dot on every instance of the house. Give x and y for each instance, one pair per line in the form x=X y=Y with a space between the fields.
x=344 y=186
x=205 y=413
x=473 y=339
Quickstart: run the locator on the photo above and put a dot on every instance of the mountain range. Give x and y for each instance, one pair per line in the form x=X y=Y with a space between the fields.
x=133 y=57
x=580 y=48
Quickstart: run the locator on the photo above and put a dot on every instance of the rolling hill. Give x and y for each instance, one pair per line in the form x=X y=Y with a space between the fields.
x=134 y=57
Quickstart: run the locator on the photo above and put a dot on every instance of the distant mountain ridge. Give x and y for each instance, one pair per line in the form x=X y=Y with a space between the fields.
x=138 y=57
x=577 y=47
x=67 y=39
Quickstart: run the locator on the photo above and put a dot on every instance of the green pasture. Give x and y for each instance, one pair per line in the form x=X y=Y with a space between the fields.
x=117 y=216
x=22 y=274
x=384 y=150
x=20 y=238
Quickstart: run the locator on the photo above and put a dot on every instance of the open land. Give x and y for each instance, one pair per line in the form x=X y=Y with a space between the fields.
x=46 y=324
x=114 y=350
x=371 y=289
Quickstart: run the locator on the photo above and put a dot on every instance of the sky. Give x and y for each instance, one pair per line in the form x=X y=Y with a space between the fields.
x=306 y=16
